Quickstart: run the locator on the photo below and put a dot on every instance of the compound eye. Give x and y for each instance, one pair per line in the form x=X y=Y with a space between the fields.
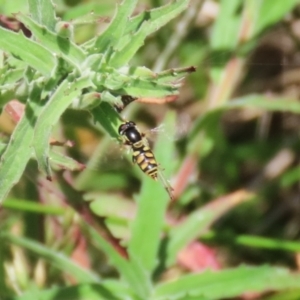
x=122 y=128
x=131 y=123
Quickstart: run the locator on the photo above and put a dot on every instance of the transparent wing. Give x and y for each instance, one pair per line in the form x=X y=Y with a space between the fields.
x=106 y=156
x=181 y=129
x=159 y=129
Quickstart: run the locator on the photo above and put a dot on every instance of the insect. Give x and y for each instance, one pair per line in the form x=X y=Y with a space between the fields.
x=142 y=154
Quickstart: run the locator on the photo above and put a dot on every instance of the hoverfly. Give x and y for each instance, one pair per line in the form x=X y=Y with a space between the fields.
x=142 y=154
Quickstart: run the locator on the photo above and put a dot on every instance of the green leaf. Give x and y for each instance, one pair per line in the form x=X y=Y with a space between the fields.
x=155 y=18
x=108 y=118
x=174 y=75
x=55 y=258
x=64 y=161
x=228 y=283
x=30 y=206
x=265 y=103
x=112 y=289
x=169 y=77
x=123 y=56
x=143 y=88
x=131 y=272
x=152 y=205
x=53 y=42
x=81 y=13
x=8 y=8
x=199 y=221
x=227 y=26
x=272 y=244
x=267 y=13
x=17 y=153
x=110 y=206
x=35 y=55
x=10 y=76
x=112 y=35
x=249 y=101
x=11 y=174
x=139 y=27
x=57 y=104
x=225 y=38
x=138 y=82
x=42 y=12
x=239 y=25
x=8 y=93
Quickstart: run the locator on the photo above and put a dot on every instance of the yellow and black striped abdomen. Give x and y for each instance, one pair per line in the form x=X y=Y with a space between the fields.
x=145 y=159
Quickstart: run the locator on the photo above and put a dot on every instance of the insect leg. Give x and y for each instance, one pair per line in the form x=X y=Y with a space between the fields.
x=166 y=184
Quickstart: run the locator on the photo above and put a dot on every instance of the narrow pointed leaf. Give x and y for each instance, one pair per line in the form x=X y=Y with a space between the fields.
x=57 y=104
x=199 y=221
x=30 y=206
x=17 y=153
x=228 y=283
x=143 y=88
x=35 y=55
x=227 y=26
x=132 y=273
x=157 y=17
x=56 y=44
x=265 y=103
x=108 y=118
x=251 y=101
x=112 y=35
x=267 y=13
x=145 y=240
x=43 y=12
x=64 y=161
x=112 y=289
x=123 y=56
x=56 y=258
x=10 y=77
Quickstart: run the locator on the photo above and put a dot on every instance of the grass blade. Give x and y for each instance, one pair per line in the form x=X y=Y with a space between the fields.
x=228 y=283
x=113 y=290
x=267 y=13
x=29 y=206
x=55 y=258
x=147 y=227
x=130 y=272
x=199 y=221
